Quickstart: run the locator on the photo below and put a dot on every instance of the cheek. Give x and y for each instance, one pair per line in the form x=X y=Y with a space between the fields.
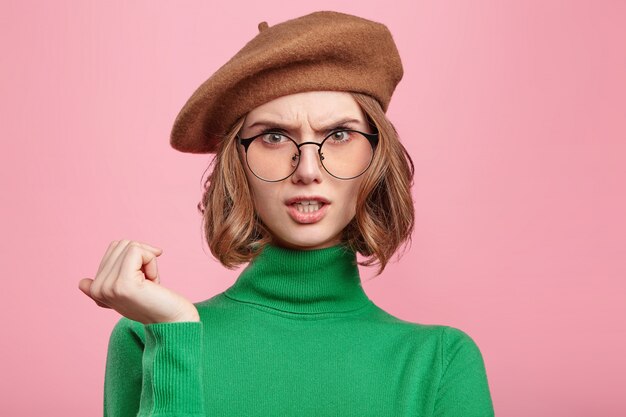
x=256 y=188
x=265 y=198
x=349 y=201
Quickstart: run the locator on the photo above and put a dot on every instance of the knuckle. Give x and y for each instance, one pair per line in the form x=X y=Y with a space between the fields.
x=95 y=290
x=97 y=297
x=106 y=294
x=119 y=289
x=134 y=247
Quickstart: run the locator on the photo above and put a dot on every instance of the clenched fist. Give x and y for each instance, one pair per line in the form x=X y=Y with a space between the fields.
x=128 y=281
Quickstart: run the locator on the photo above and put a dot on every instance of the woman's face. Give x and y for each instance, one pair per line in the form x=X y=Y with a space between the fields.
x=305 y=117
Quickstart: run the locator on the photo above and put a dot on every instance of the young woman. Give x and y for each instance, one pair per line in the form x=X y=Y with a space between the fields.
x=308 y=171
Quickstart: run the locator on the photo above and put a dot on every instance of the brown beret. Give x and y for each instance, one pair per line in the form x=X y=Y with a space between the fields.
x=324 y=50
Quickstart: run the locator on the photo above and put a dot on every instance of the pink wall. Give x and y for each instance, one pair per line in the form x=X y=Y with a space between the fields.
x=514 y=113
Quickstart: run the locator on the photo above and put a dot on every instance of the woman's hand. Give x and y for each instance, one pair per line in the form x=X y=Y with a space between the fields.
x=128 y=281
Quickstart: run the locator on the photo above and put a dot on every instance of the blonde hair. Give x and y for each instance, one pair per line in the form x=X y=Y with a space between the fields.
x=384 y=218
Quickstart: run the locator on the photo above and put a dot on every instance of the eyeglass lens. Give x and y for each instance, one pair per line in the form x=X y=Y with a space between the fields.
x=345 y=154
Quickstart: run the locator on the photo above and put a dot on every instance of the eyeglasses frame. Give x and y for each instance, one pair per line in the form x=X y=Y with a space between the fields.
x=371 y=137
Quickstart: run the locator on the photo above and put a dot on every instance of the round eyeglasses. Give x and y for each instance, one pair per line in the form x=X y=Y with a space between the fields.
x=345 y=154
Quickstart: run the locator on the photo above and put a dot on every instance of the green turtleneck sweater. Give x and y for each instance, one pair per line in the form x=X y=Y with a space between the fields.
x=295 y=335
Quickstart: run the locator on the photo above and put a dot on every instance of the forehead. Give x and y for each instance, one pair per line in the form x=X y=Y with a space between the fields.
x=311 y=107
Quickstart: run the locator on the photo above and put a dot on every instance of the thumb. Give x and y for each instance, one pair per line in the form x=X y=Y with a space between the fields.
x=85 y=286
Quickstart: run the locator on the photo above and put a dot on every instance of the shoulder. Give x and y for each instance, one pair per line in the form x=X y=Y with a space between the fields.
x=415 y=331
x=450 y=340
x=127 y=331
x=217 y=301
x=460 y=355
x=457 y=342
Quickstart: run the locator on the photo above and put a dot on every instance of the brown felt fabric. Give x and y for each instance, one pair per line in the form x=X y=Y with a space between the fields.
x=323 y=50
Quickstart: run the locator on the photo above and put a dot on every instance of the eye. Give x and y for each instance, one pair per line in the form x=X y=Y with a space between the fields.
x=340 y=136
x=273 y=137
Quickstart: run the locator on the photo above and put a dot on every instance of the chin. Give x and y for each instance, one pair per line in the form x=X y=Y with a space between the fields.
x=308 y=242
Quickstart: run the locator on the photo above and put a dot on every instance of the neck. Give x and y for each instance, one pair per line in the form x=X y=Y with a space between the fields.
x=302 y=281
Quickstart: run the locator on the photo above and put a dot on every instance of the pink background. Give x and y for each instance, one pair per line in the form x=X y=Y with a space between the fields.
x=514 y=114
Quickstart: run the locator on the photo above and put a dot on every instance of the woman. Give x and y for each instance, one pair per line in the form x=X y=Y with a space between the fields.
x=308 y=171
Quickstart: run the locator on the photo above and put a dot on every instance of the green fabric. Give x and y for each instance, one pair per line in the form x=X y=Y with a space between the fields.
x=295 y=335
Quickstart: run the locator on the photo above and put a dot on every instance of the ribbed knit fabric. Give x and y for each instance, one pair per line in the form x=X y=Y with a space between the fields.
x=295 y=335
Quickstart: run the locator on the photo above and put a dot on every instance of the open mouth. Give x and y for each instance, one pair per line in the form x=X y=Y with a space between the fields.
x=308 y=211
x=304 y=207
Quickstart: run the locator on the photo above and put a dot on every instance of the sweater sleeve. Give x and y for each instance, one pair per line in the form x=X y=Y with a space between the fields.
x=154 y=370
x=463 y=388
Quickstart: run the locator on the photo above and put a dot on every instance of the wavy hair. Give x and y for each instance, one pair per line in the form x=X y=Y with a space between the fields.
x=384 y=218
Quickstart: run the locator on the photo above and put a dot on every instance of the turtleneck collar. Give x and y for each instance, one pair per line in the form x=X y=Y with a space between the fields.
x=302 y=281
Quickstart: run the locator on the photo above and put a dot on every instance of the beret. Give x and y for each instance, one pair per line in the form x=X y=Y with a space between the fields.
x=324 y=50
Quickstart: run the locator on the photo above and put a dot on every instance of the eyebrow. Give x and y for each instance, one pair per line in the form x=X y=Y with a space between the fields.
x=287 y=128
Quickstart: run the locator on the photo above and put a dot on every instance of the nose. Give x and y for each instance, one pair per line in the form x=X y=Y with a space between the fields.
x=309 y=166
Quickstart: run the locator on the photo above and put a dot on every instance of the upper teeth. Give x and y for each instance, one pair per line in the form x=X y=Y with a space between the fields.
x=308 y=206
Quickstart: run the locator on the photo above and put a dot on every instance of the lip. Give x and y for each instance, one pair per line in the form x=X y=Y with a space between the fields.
x=306 y=218
x=299 y=198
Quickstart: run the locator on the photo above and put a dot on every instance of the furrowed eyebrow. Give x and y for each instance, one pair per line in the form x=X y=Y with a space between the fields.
x=286 y=128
